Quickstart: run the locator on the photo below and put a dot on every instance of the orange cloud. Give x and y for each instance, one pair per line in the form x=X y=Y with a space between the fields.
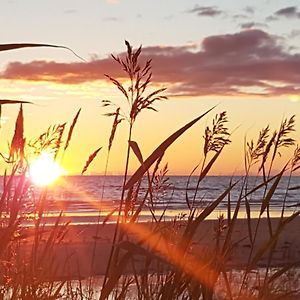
x=250 y=62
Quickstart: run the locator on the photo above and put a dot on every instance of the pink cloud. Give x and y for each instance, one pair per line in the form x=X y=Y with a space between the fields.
x=250 y=62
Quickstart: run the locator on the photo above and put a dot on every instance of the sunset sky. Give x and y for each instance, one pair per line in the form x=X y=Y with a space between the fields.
x=244 y=59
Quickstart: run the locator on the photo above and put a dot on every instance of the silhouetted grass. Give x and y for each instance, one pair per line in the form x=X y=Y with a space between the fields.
x=161 y=259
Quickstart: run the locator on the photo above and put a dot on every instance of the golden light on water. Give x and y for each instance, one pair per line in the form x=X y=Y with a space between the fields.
x=44 y=170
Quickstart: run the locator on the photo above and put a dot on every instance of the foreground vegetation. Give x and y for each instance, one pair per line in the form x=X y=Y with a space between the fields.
x=180 y=272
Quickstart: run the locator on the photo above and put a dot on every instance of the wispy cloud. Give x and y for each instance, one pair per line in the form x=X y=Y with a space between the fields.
x=294 y=33
x=240 y=17
x=70 y=11
x=249 y=10
x=111 y=19
x=206 y=11
x=250 y=62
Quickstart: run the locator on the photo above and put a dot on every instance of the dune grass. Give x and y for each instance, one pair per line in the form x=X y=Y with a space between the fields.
x=163 y=259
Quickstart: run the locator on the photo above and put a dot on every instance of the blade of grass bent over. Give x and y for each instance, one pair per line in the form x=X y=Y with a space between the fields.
x=71 y=130
x=7 y=47
x=159 y=150
x=7 y=101
x=90 y=159
x=136 y=149
x=272 y=240
x=207 y=211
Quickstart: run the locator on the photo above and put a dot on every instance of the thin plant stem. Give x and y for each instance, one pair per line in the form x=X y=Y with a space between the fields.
x=113 y=247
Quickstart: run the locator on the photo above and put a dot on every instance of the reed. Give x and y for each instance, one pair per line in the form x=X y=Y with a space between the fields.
x=162 y=259
x=180 y=281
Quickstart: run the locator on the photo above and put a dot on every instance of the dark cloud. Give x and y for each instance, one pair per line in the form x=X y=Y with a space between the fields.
x=250 y=62
x=251 y=25
x=206 y=11
x=291 y=11
x=288 y=12
x=240 y=16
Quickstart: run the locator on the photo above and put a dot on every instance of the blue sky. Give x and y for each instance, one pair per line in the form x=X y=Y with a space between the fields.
x=98 y=27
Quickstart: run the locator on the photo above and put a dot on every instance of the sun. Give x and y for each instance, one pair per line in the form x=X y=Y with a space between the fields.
x=44 y=170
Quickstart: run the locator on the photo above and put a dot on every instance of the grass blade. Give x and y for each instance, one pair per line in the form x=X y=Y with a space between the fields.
x=294 y=188
x=266 y=200
x=209 y=165
x=91 y=158
x=8 y=47
x=283 y=270
x=116 y=122
x=136 y=149
x=18 y=140
x=160 y=150
x=109 y=216
x=209 y=209
x=272 y=241
x=7 y=101
x=192 y=227
x=187 y=200
x=115 y=274
x=71 y=130
x=248 y=212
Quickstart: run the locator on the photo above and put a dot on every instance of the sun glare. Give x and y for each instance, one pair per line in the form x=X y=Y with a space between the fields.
x=44 y=170
x=294 y=98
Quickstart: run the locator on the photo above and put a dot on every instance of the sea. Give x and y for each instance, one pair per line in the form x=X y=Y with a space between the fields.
x=90 y=199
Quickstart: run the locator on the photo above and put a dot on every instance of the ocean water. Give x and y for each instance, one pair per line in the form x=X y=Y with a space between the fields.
x=82 y=198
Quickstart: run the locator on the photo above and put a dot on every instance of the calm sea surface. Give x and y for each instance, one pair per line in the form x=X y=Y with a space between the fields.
x=81 y=197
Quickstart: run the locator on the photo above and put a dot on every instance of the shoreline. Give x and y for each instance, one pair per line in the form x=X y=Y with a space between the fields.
x=90 y=218
x=73 y=255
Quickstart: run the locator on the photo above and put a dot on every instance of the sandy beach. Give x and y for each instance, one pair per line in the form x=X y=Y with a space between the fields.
x=73 y=254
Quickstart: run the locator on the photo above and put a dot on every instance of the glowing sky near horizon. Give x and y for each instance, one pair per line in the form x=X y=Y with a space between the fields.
x=243 y=57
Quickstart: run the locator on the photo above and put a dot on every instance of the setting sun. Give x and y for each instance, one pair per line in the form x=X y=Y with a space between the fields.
x=44 y=170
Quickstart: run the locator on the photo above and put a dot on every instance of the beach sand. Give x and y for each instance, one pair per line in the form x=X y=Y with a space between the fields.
x=73 y=254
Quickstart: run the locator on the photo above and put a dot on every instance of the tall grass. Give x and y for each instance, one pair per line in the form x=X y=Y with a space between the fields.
x=181 y=280
x=28 y=266
x=162 y=259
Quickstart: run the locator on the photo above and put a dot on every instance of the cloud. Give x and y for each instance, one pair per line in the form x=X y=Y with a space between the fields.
x=250 y=62
x=206 y=11
x=111 y=19
x=240 y=16
x=294 y=33
x=291 y=11
x=288 y=12
x=249 y=10
x=70 y=11
x=252 y=25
